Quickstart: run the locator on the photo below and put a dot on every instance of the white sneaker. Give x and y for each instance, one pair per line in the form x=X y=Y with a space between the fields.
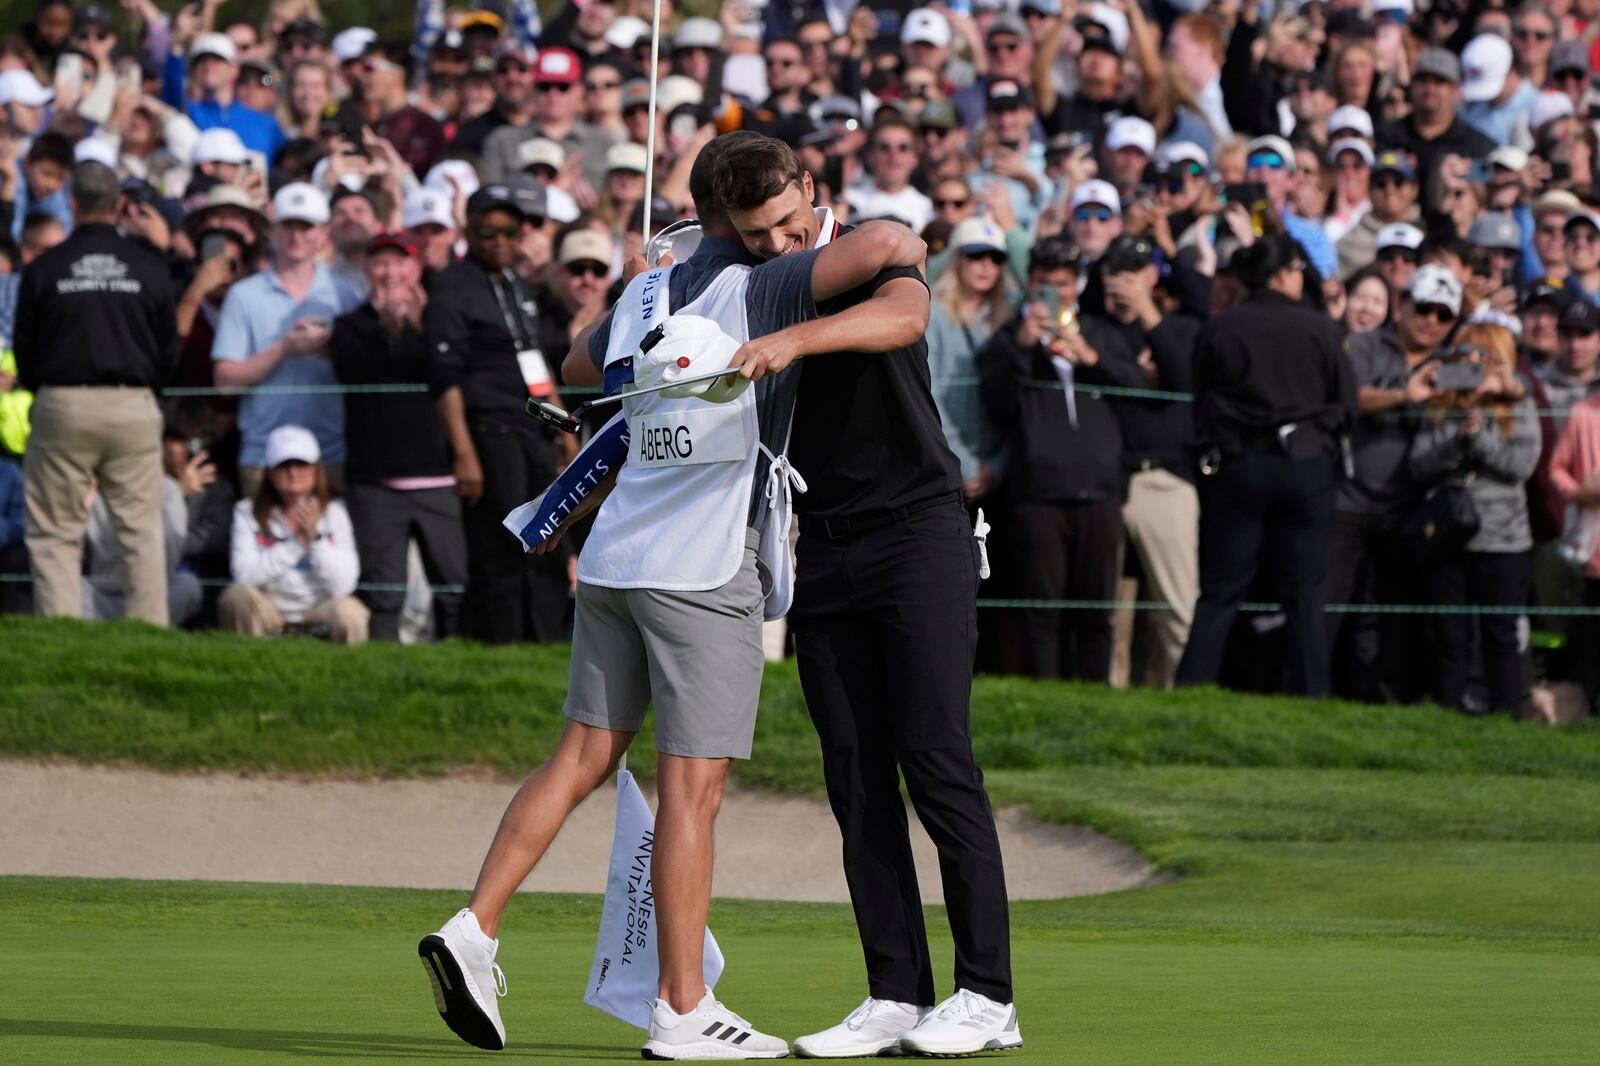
x=964 y=1024
x=874 y=1028
x=710 y=1031
x=466 y=982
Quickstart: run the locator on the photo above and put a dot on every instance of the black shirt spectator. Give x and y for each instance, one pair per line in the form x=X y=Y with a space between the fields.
x=477 y=322
x=387 y=435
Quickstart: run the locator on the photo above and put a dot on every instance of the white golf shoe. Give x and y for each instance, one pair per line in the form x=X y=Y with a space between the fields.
x=467 y=984
x=874 y=1028
x=710 y=1031
x=965 y=1024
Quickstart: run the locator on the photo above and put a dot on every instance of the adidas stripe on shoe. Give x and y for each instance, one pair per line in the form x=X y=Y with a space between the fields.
x=710 y=1031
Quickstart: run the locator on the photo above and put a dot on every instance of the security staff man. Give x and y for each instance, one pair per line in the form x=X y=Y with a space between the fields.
x=1274 y=389
x=96 y=335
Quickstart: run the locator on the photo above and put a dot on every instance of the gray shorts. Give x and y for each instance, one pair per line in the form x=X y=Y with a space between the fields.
x=698 y=654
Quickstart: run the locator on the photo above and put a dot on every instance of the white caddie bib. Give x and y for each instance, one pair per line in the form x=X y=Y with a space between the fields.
x=676 y=519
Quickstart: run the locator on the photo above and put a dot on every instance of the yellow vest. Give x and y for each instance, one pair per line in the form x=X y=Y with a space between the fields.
x=14 y=406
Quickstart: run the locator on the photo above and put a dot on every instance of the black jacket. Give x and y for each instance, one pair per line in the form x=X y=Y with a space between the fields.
x=387 y=435
x=1050 y=460
x=473 y=340
x=1266 y=363
x=96 y=309
x=1161 y=432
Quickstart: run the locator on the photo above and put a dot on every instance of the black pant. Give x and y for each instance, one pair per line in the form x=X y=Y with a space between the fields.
x=16 y=597
x=385 y=520
x=1068 y=551
x=1497 y=579
x=885 y=627
x=1262 y=502
x=1584 y=659
x=1379 y=658
x=511 y=596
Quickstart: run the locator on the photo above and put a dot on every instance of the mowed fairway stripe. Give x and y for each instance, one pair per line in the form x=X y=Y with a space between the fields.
x=206 y=973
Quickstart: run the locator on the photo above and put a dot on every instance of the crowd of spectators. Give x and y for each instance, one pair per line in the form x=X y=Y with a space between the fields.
x=346 y=214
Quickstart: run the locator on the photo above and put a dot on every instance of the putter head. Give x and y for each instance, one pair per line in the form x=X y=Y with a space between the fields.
x=551 y=415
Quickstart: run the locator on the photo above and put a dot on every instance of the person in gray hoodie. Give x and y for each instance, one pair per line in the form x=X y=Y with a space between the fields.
x=1484 y=439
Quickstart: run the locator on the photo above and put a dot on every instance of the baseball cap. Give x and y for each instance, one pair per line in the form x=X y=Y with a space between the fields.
x=675 y=91
x=627 y=156
x=1485 y=62
x=1396 y=163
x=1005 y=94
x=428 y=207
x=95 y=150
x=1496 y=231
x=1348 y=22
x=1271 y=145
x=625 y=31
x=1351 y=144
x=1401 y=8
x=300 y=202
x=306 y=27
x=833 y=108
x=925 y=26
x=1584 y=217
x=1579 y=316
x=557 y=66
x=698 y=33
x=1433 y=283
x=1508 y=157
x=1182 y=152
x=1350 y=117
x=21 y=87
x=978 y=234
x=219 y=145
x=1131 y=132
x=1439 y=64
x=1043 y=7
x=541 y=151
x=1556 y=202
x=1006 y=23
x=485 y=20
x=530 y=195
x=1397 y=235
x=1099 y=192
x=218 y=196
x=392 y=239
x=1103 y=27
x=582 y=244
x=939 y=115
x=1569 y=55
x=1128 y=253
x=464 y=174
x=635 y=93
x=213 y=44
x=492 y=198
x=93 y=15
x=1547 y=107
x=288 y=444
x=348 y=45
x=1545 y=293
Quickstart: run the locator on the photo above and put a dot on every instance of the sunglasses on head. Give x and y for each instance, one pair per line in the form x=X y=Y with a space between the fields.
x=491 y=233
x=587 y=268
x=1270 y=160
x=1098 y=214
x=1439 y=312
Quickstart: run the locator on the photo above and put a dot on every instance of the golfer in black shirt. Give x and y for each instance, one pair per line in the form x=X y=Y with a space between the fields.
x=885 y=626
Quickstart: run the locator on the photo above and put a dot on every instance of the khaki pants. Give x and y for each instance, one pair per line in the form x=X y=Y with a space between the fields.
x=113 y=436
x=246 y=609
x=1162 y=517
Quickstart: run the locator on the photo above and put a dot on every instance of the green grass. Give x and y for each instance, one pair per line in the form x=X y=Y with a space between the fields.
x=1359 y=884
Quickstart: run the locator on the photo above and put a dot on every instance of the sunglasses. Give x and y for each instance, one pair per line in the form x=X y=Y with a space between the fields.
x=1549 y=231
x=93 y=34
x=1097 y=214
x=895 y=146
x=941 y=204
x=1583 y=237
x=783 y=64
x=587 y=270
x=918 y=92
x=997 y=258
x=554 y=87
x=602 y=86
x=512 y=68
x=1170 y=185
x=1532 y=35
x=1270 y=160
x=1388 y=181
x=1438 y=312
x=816 y=44
x=1397 y=255
x=1004 y=46
x=1569 y=75
x=501 y=233
x=937 y=131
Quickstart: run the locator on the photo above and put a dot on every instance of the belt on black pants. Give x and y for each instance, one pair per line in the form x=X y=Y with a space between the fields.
x=845 y=526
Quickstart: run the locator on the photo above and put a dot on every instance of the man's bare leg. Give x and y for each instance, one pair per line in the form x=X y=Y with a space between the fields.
x=690 y=796
x=584 y=758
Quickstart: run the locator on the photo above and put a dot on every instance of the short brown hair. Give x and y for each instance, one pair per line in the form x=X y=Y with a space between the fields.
x=753 y=169
x=1203 y=30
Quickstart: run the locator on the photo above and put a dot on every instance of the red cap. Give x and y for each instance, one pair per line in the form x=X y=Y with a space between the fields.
x=557 y=66
x=392 y=239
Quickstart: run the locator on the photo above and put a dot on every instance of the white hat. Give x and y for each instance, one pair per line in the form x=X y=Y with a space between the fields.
x=1485 y=62
x=1433 y=283
x=1509 y=156
x=219 y=145
x=1182 y=152
x=691 y=345
x=1547 y=107
x=562 y=207
x=625 y=31
x=1099 y=192
x=351 y=43
x=1397 y=235
x=290 y=444
x=977 y=233
x=95 y=150
x=626 y=155
x=213 y=44
x=925 y=26
x=299 y=202
x=541 y=150
x=1350 y=117
x=585 y=244
x=1351 y=144
x=675 y=90
x=426 y=206
x=1114 y=21
x=1273 y=144
x=698 y=33
x=464 y=173
x=1404 y=7
x=1130 y=131
x=21 y=87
